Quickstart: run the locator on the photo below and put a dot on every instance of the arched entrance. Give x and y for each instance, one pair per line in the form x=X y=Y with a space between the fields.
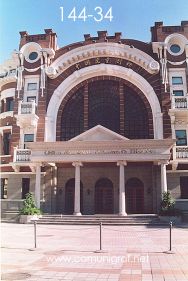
x=134 y=196
x=69 y=196
x=104 y=197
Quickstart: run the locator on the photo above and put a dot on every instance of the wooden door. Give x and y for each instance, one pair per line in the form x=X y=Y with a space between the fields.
x=134 y=196
x=104 y=197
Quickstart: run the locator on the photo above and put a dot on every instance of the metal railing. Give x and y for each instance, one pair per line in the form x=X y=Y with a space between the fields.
x=22 y=155
x=182 y=152
x=179 y=103
x=27 y=107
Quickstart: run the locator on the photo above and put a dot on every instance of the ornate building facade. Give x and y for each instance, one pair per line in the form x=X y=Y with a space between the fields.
x=96 y=127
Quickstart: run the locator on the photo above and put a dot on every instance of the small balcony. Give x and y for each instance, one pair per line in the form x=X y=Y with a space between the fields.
x=27 y=107
x=182 y=152
x=179 y=103
x=22 y=155
x=27 y=114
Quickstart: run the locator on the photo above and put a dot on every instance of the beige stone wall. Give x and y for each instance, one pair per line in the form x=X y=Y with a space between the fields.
x=14 y=188
x=53 y=193
x=89 y=177
x=173 y=181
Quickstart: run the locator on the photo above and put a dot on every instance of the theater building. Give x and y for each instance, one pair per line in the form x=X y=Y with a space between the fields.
x=96 y=127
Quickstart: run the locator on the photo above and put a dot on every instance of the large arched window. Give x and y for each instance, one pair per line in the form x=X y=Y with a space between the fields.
x=136 y=115
x=101 y=106
x=104 y=104
x=72 y=122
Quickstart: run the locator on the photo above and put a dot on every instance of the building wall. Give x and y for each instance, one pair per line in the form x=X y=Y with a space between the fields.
x=89 y=177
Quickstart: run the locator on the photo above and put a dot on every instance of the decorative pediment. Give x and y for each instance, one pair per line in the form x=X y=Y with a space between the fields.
x=99 y=133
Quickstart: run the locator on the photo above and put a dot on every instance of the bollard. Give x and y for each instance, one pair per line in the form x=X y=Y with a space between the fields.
x=170 y=225
x=100 y=250
x=35 y=234
x=100 y=236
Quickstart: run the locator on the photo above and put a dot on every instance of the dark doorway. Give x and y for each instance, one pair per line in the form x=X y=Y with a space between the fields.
x=25 y=187
x=134 y=196
x=69 y=196
x=104 y=197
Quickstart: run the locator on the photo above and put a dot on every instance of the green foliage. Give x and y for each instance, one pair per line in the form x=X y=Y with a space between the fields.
x=29 y=206
x=168 y=205
x=167 y=201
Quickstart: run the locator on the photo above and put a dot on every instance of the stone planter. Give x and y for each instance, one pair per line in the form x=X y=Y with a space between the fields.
x=28 y=218
x=173 y=219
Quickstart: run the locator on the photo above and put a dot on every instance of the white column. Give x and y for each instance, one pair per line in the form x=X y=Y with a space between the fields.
x=37 y=186
x=163 y=178
x=122 y=207
x=77 y=166
x=158 y=126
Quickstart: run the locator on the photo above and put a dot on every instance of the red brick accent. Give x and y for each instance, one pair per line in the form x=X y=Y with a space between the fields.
x=8 y=86
x=122 y=108
x=160 y=32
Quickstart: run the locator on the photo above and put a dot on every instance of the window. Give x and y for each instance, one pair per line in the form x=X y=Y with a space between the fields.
x=175 y=48
x=4 y=184
x=104 y=104
x=28 y=137
x=181 y=137
x=184 y=187
x=10 y=104
x=31 y=86
x=177 y=80
x=29 y=99
x=12 y=71
x=178 y=93
x=25 y=187
x=6 y=143
x=33 y=55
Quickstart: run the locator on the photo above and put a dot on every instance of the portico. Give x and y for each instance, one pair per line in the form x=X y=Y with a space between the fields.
x=101 y=145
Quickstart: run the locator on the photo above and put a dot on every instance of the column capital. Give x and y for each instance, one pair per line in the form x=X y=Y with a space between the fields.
x=121 y=162
x=77 y=164
x=163 y=162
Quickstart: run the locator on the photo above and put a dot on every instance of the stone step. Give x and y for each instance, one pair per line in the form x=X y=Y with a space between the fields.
x=10 y=215
x=96 y=219
x=104 y=223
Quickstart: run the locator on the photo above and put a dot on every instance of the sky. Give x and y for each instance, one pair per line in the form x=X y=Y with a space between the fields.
x=131 y=17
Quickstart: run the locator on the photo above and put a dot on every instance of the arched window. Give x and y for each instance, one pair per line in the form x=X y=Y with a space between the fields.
x=72 y=121
x=104 y=104
x=102 y=107
x=136 y=116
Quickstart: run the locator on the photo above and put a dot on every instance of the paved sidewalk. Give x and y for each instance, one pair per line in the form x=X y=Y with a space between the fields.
x=133 y=253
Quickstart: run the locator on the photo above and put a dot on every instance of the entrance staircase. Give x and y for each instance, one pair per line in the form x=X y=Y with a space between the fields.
x=144 y=219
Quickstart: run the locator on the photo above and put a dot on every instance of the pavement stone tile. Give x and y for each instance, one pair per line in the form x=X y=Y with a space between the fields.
x=145 y=248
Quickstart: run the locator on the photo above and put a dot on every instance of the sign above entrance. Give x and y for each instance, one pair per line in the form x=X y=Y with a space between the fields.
x=100 y=152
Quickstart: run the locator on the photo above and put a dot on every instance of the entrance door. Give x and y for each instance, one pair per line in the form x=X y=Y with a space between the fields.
x=134 y=196
x=104 y=197
x=69 y=196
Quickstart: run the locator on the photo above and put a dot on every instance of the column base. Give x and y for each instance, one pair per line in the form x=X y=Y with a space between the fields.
x=77 y=214
x=123 y=214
